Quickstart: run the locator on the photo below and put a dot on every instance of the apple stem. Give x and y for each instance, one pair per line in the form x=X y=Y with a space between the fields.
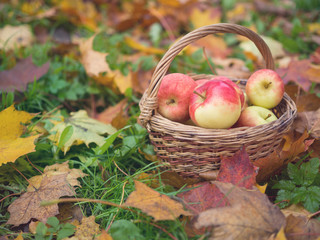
x=268 y=84
x=203 y=97
x=269 y=115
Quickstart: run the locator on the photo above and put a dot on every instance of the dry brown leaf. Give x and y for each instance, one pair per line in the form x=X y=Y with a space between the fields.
x=104 y=235
x=250 y=216
x=114 y=115
x=274 y=162
x=28 y=206
x=208 y=16
x=215 y=45
x=157 y=205
x=56 y=181
x=299 y=226
x=69 y=212
x=140 y=80
x=308 y=121
x=21 y=74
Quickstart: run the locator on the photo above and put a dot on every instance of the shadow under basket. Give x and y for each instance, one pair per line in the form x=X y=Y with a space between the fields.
x=192 y=150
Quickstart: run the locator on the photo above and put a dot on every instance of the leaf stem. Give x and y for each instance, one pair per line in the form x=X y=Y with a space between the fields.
x=203 y=97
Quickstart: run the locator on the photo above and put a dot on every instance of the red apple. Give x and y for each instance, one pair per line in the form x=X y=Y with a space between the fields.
x=254 y=116
x=174 y=96
x=236 y=87
x=215 y=104
x=265 y=88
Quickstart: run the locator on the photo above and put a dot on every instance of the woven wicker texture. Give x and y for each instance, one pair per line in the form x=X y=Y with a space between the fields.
x=190 y=150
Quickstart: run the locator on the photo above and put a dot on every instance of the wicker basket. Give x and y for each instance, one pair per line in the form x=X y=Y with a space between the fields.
x=191 y=150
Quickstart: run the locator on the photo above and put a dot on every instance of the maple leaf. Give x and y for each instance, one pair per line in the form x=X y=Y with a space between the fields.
x=157 y=205
x=56 y=181
x=11 y=128
x=280 y=157
x=21 y=74
x=296 y=72
x=250 y=216
x=237 y=170
x=85 y=130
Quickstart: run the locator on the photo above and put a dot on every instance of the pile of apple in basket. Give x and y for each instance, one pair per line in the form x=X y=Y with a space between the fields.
x=219 y=102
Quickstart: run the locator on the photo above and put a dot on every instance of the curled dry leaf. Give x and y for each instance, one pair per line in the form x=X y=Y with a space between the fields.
x=157 y=205
x=308 y=121
x=250 y=216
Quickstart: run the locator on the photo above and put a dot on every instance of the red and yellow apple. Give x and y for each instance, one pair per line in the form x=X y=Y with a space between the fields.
x=254 y=116
x=174 y=96
x=215 y=104
x=265 y=88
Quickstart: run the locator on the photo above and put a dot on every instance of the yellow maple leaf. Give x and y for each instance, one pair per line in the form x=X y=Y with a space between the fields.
x=11 y=128
x=85 y=130
x=208 y=16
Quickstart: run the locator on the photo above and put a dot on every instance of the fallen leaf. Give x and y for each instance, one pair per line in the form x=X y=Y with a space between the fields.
x=308 y=121
x=21 y=74
x=131 y=42
x=109 y=114
x=141 y=80
x=85 y=130
x=80 y=12
x=250 y=216
x=308 y=102
x=97 y=68
x=314 y=28
x=296 y=72
x=313 y=73
x=239 y=12
x=12 y=145
x=275 y=47
x=237 y=170
x=12 y=37
x=215 y=45
x=27 y=206
x=56 y=181
x=208 y=16
x=69 y=212
x=279 y=236
x=104 y=235
x=299 y=226
x=88 y=229
x=157 y=205
x=19 y=237
x=273 y=163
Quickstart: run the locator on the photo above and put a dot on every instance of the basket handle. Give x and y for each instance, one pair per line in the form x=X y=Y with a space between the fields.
x=149 y=102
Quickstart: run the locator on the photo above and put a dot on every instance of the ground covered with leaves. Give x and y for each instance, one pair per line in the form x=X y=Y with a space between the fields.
x=75 y=162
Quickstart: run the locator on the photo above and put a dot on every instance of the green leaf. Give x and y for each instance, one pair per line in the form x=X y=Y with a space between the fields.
x=65 y=136
x=124 y=229
x=53 y=222
x=312 y=201
x=155 y=33
x=284 y=184
x=299 y=194
x=295 y=174
x=67 y=230
x=41 y=229
x=309 y=171
x=283 y=198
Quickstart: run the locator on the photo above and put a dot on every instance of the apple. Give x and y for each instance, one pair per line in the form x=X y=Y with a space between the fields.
x=265 y=88
x=174 y=96
x=236 y=87
x=254 y=116
x=215 y=104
